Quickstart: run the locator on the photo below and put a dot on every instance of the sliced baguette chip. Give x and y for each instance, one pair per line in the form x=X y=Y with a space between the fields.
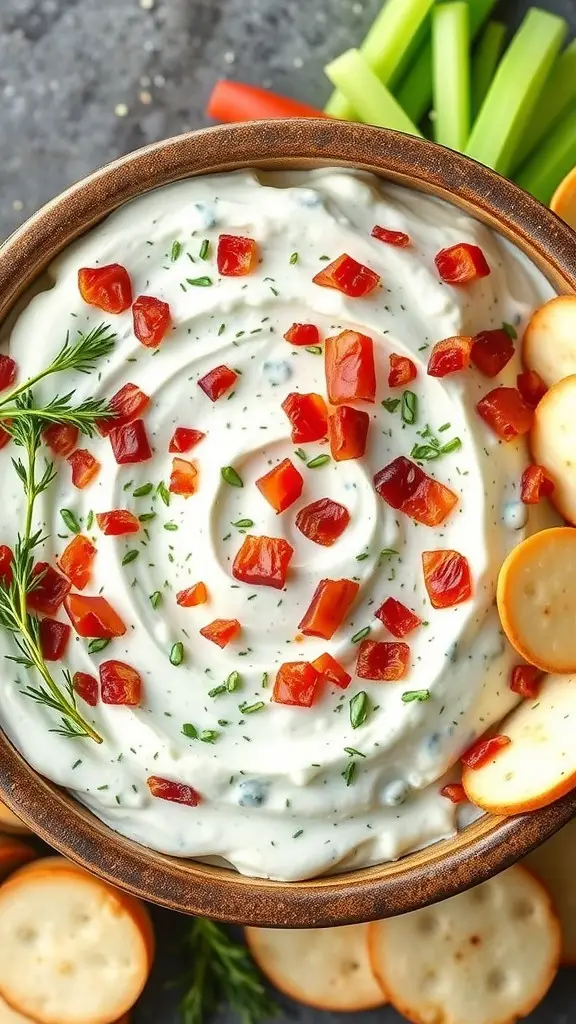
x=10 y=822
x=536 y=597
x=13 y=854
x=553 y=443
x=549 y=344
x=487 y=956
x=539 y=764
x=553 y=862
x=327 y=968
x=74 y=949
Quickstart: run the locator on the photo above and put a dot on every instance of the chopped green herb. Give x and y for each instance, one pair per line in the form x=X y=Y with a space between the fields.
x=217 y=690
x=445 y=426
x=171 y=527
x=299 y=833
x=190 y=731
x=319 y=460
x=409 y=410
x=451 y=446
x=143 y=490
x=204 y=250
x=130 y=556
x=200 y=282
x=230 y=476
x=353 y=752
x=163 y=492
x=233 y=682
x=71 y=520
x=315 y=350
x=76 y=763
x=146 y=517
x=359 y=706
x=248 y=709
x=175 y=251
x=301 y=454
x=360 y=634
x=209 y=735
x=155 y=599
x=243 y=524
x=391 y=404
x=221 y=330
x=363 y=556
x=89 y=520
x=177 y=653
x=349 y=773
x=411 y=695
x=264 y=682
x=98 y=644
x=510 y=331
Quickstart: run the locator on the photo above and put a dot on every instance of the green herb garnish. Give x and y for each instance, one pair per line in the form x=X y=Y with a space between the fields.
x=200 y=282
x=98 y=644
x=359 y=706
x=360 y=635
x=391 y=404
x=175 y=251
x=155 y=599
x=349 y=772
x=411 y=695
x=177 y=653
x=190 y=731
x=231 y=477
x=71 y=520
x=319 y=460
x=243 y=524
x=204 y=250
x=409 y=410
x=130 y=556
x=294 y=257
x=163 y=492
x=143 y=490
x=233 y=682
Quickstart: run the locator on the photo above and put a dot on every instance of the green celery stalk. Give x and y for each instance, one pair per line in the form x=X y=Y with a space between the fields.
x=545 y=169
x=451 y=74
x=515 y=88
x=385 y=46
x=485 y=61
x=558 y=94
x=366 y=93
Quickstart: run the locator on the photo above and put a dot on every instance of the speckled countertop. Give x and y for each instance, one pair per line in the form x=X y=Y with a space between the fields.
x=82 y=81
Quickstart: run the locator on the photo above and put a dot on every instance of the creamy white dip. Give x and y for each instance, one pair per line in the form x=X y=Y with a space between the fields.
x=274 y=799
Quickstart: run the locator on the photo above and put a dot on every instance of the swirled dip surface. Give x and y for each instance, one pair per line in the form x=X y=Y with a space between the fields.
x=275 y=801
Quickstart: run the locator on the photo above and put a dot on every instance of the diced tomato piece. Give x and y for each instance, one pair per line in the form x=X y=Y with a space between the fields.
x=8 y=370
x=331 y=671
x=263 y=561
x=446 y=577
x=61 y=438
x=217 y=382
x=450 y=356
x=183 y=439
x=84 y=467
x=221 y=631
x=120 y=683
x=348 y=432
x=323 y=521
x=531 y=387
x=54 y=638
x=183 y=478
x=505 y=411
x=236 y=256
x=483 y=751
x=347 y=275
x=6 y=558
x=130 y=443
x=86 y=686
x=93 y=617
x=491 y=351
x=402 y=371
x=282 y=486
x=398 y=238
x=118 y=522
x=330 y=604
x=349 y=365
x=455 y=792
x=296 y=684
x=108 y=288
x=308 y=416
x=47 y=596
x=5 y=437
x=152 y=320
x=405 y=486
x=303 y=334
x=177 y=792
x=525 y=680
x=461 y=263
x=193 y=596
x=127 y=404
x=398 y=619
x=383 y=662
x=535 y=485
x=77 y=559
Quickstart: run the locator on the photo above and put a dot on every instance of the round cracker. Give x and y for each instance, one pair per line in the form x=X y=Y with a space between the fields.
x=549 y=344
x=487 y=956
x=553 y=443
x=10 y=1016
x=10 y=822
x=553 y=862
x=537 y=599
x=563 y=201
x=327 y=968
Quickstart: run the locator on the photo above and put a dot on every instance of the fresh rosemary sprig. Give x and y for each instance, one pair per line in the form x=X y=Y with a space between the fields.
x=58 y=410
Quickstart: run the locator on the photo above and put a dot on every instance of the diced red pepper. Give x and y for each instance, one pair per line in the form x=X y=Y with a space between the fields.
x=347 y=275
x=323 y=521
x=296 y=684
x=61 y=438
x=535 y=485
x=263 y=561
x=118 y=522
x=221 y=631
x=236 y=256
x=398 y=619
x=86 y=686
x=183 y=439
x=130 y=443
x=446 y=577
x=5 y=437
x=282 y=486
x=107 y=288
x=348 y=432
x=47 y=596
x=217 y=382
x=405 y=486
x=93 y=617
x=120 y=683
x=152 y=320
x=525 y=680
x=531 y=387
x=491 y=351
x=398 y=238
x=84 y=467
x=455 y=792
x=303 y=334
x=450 y=356
x=402 y=371
x=6 y=571
x=330 y=604
x=383 y=662
x=505 y=411
x=349 y=365
x=461 y=263
x=183 y=478
x=193 y=596
x=77 y=559
x=54 y=638
x=8 y=370
x=127 y=404
x=177 y=792
x=331 y=671
x=308 y=416
x=483 y=751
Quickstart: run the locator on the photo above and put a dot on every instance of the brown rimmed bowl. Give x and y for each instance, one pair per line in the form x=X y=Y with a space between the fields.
x=447 y=867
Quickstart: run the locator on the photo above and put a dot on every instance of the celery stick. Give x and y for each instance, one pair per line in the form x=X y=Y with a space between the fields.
x=485 y=61
x=545 y=169
x=370 y=98
x=515 y=88
x=558 y=94
x=385 y=45
x=451 y=74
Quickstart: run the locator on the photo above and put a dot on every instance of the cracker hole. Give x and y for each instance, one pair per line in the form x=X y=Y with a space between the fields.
x=496 y=980
x=479 y=895
x=428 y=924
x=66 y=967
x=429 y=983
x=27 y=935
x=522 y=910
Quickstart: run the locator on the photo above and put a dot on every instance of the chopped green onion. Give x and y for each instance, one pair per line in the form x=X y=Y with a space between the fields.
x=70 y=520
x=143 y=490
x=451 y=446
x=317 y=461
x=163 y=492
x=89 y=520
x=230 y=476
x=315 y=350
x=451 y=74
x=177 y=653
x=233 y=682
x=248 y=709
x=97 y=645
x=200 y=282
x=294 y=257
x=412 y=695
x=146 y=517
x=204 y=250
x=175 y=251
x=243 y=524
x=155 y=599
x=301 y=454
x=552 y=161
x=485 y=61
x=349 y=773
x=360 y=634
x=264 y=681
x=190 y=731
x=130 y=556
x=217 y=690
x=409 y=410
x=359 y=706
x=391 y=404
x=209 y=735
x=171 y=527
x=556 y=99
x=371 y=99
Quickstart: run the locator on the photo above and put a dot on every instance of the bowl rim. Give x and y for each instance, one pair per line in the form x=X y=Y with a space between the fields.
x=444 y=868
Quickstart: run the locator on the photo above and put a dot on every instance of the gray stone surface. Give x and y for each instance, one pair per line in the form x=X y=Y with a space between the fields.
x=82 y=81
